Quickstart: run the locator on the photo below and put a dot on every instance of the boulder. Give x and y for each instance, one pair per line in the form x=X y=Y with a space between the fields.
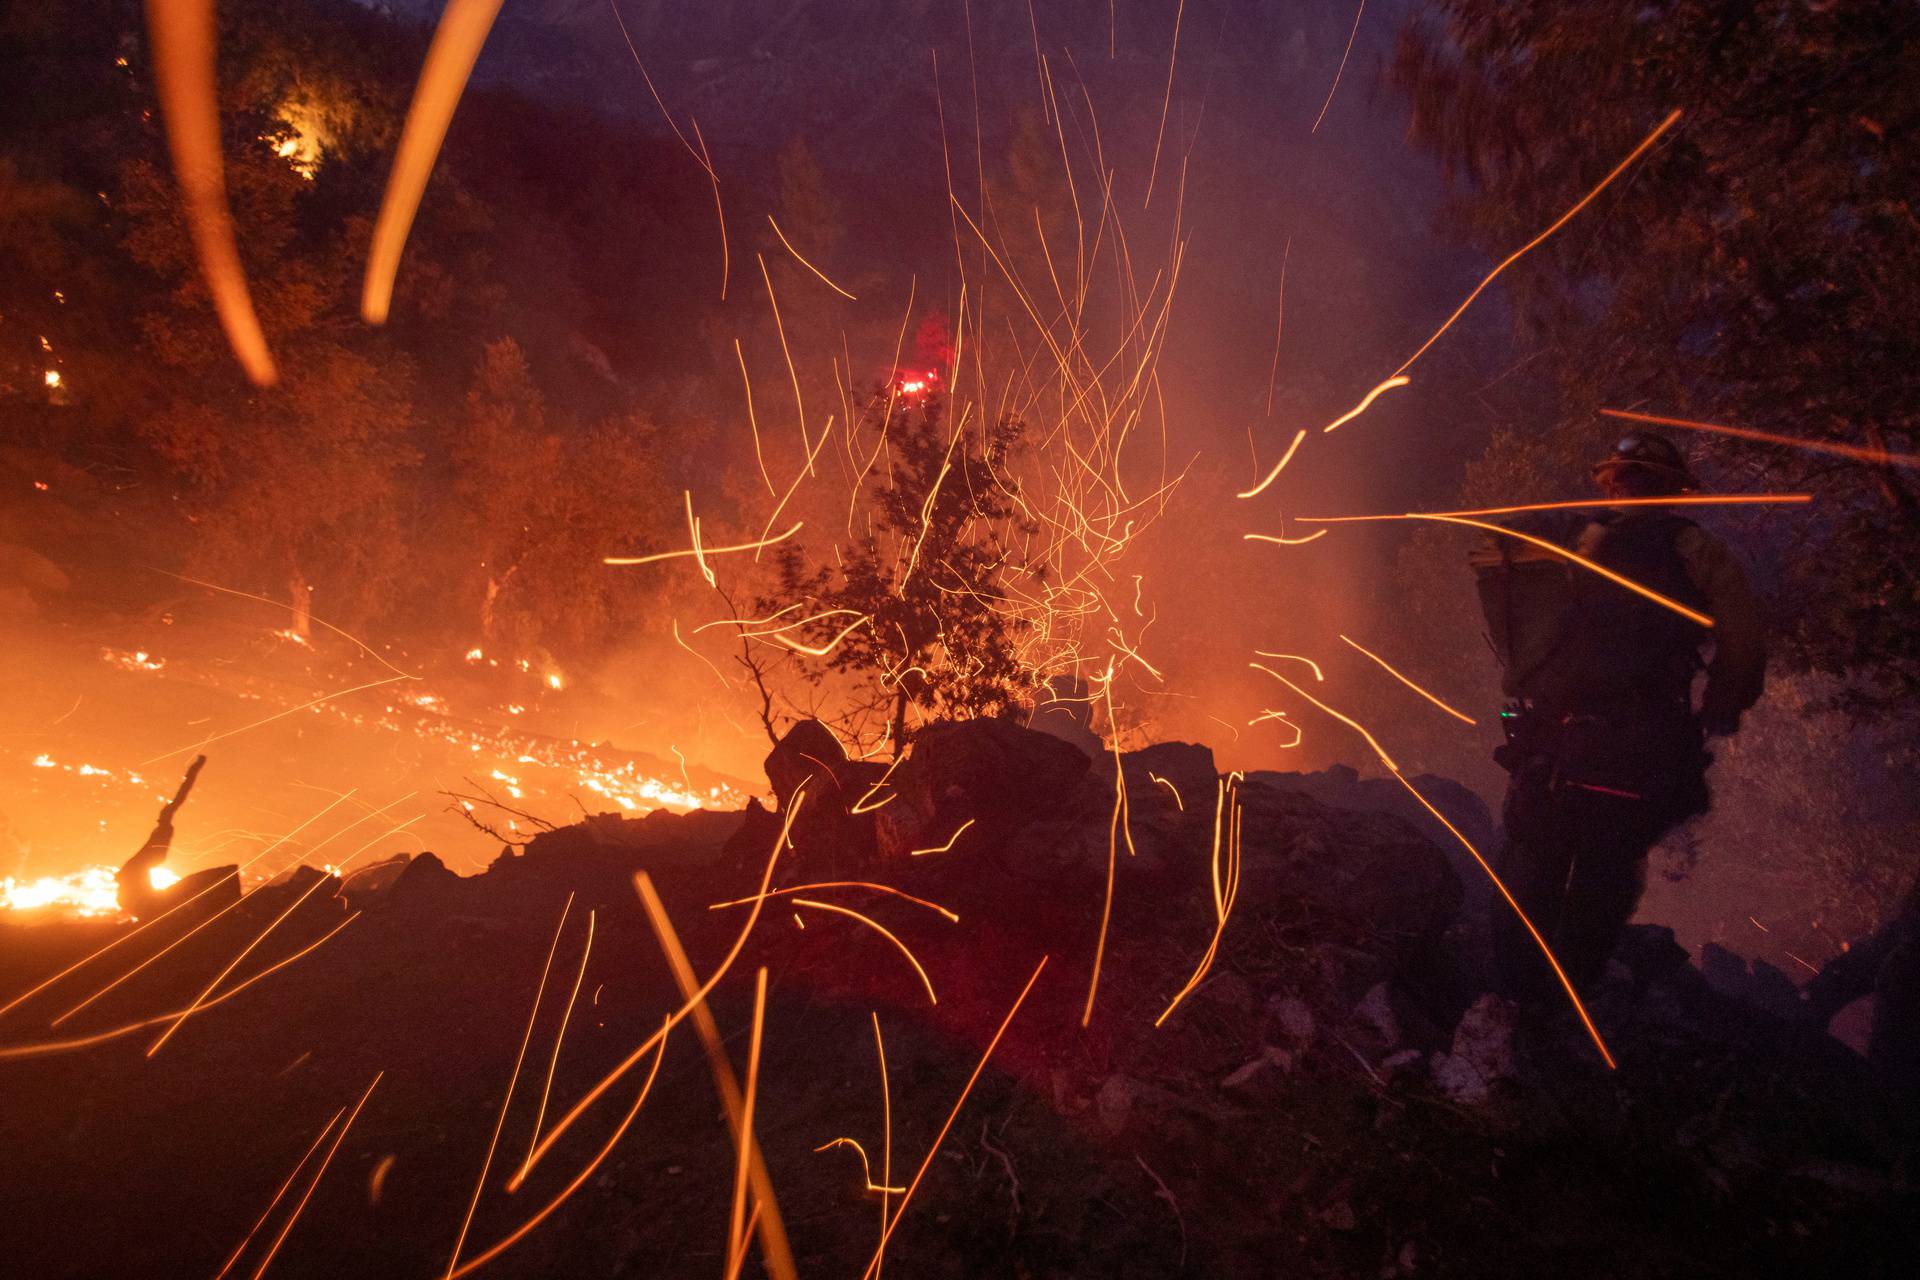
x=1482 y=1053
x=992 y=772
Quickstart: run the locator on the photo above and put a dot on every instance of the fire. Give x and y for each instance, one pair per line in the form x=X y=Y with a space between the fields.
x=88 y=893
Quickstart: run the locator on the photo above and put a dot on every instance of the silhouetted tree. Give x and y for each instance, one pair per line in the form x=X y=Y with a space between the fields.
x=1754 y=268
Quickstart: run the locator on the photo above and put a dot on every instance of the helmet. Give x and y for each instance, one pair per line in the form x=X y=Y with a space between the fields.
x=1651 y=452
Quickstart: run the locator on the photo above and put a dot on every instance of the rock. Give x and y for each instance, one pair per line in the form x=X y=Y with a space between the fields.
x=1482 y=1053
x=994 y=773
x=211 y=890
x=808 y=750
x=1290 y=1023
x=367 y=884
x=425 y=876
x=1375 y=1013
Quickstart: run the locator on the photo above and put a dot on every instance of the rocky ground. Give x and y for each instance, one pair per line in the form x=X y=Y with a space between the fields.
x=1333 y=1099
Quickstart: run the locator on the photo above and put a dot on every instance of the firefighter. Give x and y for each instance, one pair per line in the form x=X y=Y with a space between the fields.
x=1605 y=745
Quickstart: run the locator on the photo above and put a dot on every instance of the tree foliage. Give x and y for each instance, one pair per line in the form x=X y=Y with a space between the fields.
x=1753 y=269
x=917 y=608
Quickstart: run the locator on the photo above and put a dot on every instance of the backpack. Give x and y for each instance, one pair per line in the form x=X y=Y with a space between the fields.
x=1576 y=643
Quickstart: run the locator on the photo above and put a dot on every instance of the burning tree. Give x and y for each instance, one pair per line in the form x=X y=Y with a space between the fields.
x=920 y=610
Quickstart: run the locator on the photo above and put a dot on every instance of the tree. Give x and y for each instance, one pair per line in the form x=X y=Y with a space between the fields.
x=1752 y=270
x=538 y=503
x=920 y=611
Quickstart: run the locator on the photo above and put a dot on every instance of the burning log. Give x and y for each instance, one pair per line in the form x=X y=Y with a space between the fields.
x=135 y=878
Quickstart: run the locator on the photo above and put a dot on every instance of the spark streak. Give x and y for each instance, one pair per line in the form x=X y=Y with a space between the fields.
x=775 y=1252
x=1388 y=667
x=747 y=1155
x=533 y=1015
x=1225 y=891
x=45 y=1047
x=1278 y=467
x=808 y=265
x=1366 y=401
x=559 y=1038
x=183 y=36
x=1530 y=245
x=934 y=1150
x=1345 y=54
x=1586 y=504
x=463 y=29
x=1647 y=592
x=279 y=1195
x=287 y=1228
x=703 y=551
x=866 y=1168
x=839 y=884
x=880 y=929
x=579 y=1179
x=943 y=848
x=1878 y=456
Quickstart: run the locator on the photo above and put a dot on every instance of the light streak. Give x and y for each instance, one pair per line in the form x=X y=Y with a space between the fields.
x=45 y=1047
x=775 y=1252
x=1224 y=893
x=463 y=29
x=817 y=651
x=880 y=929
x=866 y=1168
x=1345 y=54
x=644 y=886
x=183 y=36
x=780 y=329
x=1279 y=327
x=1366 y=401
x=886 y=1130
x=753 y=423
x=245 y=951
x=808 y=265
x=1649 y=593
x=838 y=884
x=1861 y=453
x=1282 y=540
x=1278 y=467
x=934 y=1150
x=349 y=637
x=533 y=1015
x=287 y=1228
x=1294 y=657
x=378 y=1181
x=861 y=806
x=1559 y=222
x=703 y=551
x=1175 y=791
x=1388 y=667
x=1586 y=504
x=746 y=1155
x=943 y=848
x=281 y=715
x=1351 y=723
x=1173 y=56
x=279 y=1195
x=1298 y=733
x=1119 y=821
x=579 y=1179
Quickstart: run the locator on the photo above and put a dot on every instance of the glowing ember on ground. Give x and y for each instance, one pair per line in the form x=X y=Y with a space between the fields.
x=132 y=660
